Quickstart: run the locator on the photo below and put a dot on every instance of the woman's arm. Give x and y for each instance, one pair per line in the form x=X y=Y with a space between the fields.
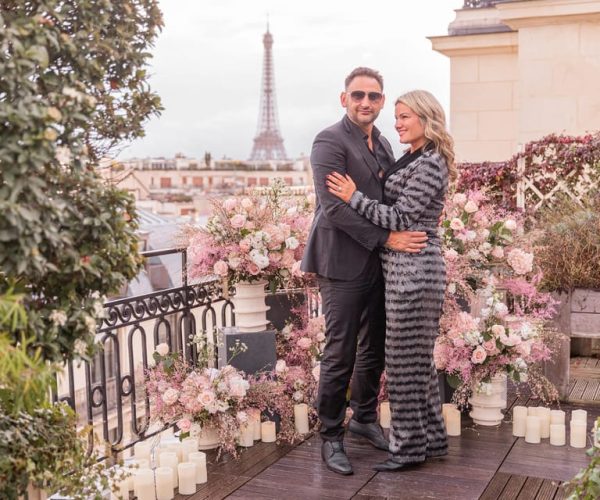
x=422 y=186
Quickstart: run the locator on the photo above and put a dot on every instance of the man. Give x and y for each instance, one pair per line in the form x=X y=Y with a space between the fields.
x=342 y=250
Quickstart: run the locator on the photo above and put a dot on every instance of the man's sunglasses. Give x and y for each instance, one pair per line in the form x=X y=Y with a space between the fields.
x=359 y=95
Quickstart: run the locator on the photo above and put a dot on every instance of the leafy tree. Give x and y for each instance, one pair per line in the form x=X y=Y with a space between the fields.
x=73 y=85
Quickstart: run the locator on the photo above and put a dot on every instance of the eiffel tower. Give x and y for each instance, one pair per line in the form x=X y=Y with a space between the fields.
x=268 y=143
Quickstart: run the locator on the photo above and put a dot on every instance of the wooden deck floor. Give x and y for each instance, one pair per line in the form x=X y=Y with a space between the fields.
x=584 y=383
x=486 y=463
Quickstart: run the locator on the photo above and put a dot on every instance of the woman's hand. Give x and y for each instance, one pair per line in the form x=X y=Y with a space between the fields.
x=341 y=186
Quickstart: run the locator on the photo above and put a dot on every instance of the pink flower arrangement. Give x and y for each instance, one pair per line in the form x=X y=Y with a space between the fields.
x=259 y=237
x=182 y=394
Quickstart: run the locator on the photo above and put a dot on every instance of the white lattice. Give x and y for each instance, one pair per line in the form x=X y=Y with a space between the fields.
x=530 y=196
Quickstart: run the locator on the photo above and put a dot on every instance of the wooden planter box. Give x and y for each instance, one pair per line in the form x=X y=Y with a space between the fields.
x=578 y=318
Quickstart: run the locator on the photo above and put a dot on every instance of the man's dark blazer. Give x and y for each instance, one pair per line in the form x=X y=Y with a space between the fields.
x=341 y=241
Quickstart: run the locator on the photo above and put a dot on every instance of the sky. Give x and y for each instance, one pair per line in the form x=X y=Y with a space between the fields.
x=207 y=68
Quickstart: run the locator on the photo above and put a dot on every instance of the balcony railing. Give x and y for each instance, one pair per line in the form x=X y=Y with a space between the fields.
x=108 y=393
x=481 y=4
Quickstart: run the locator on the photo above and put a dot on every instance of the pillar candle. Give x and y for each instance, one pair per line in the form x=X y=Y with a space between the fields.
x=384 y=414
x=199 y=458
x=519 y=421
x=578 y=433
x=246 y=438
x=143 y=484
x=558 y=435
x=267 y=432
x=254 y=415
x=188 y=445
x=177 y=447
x=532 y=430
x=453 y=422
x=301 y=418
x=544 y=416
x=164 y=483
x=532 y=411
x=141 y=450
x=557 y=417
x=445 y=407
x=141 y=463
x=169 y=459
x=187 y=478
x=579 y=416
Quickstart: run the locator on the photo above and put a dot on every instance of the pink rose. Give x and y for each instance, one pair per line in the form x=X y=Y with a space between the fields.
x=471 y=207
x=498 y=330
x=498 y=253
x=520 y=261
x=206 y=398
x=490 y=346
x=230 y=204
x=246 y=203
x=479 y=355
x=221 y=268
x=184 y=425
x=288 y=259
x=170 y=396
x=458 y=342
x=238 y=221
x=253 y=269
x=459 y=199
x=304 y=343
x=245 y=245
x=457 y=224
x=249 y=225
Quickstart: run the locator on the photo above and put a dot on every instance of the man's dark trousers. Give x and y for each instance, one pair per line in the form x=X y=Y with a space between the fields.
x=354 y=314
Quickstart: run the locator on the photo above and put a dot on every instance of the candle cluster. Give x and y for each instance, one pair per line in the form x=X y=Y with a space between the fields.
x=155 y=473
x=535 y=423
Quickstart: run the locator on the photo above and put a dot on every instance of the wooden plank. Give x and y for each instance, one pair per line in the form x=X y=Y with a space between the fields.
x=547 y=490
x=584 y=300
x=530 y=488
x=495 y=486
x=513 y=488
x=577 y=391
x=561 y=493
x=590 y=390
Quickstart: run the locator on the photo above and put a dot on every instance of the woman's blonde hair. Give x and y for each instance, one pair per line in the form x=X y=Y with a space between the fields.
x=433 y=119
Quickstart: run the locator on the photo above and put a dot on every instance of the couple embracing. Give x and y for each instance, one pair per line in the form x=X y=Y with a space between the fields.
x=376 y=252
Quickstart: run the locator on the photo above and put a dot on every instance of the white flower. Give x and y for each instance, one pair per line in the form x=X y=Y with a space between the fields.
x=280 y=366
x=485 y=233
x=452 y=288
x=230 y=204
x=162 y=349
x=221 y=268
x=170 y=396
x=99 y=308
x=501 y=309
x=450 y=254
x=471 y=235
x=520 y=261
x=298 y=396
x=473 y=254
x=510 y=224
x=498 y=330
x=80 y=347
x=471 y=207
x=90 y=324
x=260 y=259
x=316 y=371
x=63 y=155
x=292 y=243
x=58 y=317
x=246 y=203
x=526 y=331
x=485 y=248
x=473 y=338
x=459 y=199
x=498 y=252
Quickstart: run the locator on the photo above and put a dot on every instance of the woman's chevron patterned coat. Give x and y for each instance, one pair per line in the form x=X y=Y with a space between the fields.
x=415 y=284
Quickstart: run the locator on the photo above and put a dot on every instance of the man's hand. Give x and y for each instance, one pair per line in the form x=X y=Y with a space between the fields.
x=407 y=241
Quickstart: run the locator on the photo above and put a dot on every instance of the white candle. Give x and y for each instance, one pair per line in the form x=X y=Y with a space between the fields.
x=453 y=422
x=165 y=489
x=301 y=418
x=177 y=447
x=579 y=416
x=267 y=432
x=187 y=478
x=142 y=463
x=445 y=407
x=143 y=484
x=199 y=458
x=188 y=445
x=578 y=434
x=169 y=459
x=544 y=415
x=385 y=416
x=519 y=421
x=557 y=417
x=532 y=430
x=246 y=438
x=532 y=411
x=558 y=435
x=254 y=416
x=141 y=450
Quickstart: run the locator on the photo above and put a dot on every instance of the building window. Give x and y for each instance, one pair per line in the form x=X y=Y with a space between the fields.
x=165 y=182
x=184 y=180
x=197 y=181
x=264 y=181
x=288 y=180
x=251 y=181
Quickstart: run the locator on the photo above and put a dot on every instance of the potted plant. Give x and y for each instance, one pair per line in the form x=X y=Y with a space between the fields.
x=568 y=252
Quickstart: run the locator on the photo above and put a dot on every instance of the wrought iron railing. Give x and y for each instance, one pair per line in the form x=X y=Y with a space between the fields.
x=108 y=393
x=480 y=4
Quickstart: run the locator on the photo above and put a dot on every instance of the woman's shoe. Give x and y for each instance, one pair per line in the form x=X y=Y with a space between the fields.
x=390 y=466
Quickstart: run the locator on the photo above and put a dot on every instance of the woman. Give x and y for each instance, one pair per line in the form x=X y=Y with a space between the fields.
x=414 y=194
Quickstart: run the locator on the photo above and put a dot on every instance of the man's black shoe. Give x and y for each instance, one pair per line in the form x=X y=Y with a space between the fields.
x=372 y=432
x=390 y=466
x=335 y=458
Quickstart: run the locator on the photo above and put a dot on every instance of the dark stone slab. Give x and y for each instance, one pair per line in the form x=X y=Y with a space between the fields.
x=259 y=356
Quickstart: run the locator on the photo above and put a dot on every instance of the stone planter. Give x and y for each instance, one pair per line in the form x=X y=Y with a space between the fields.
x=579 y=319
x=249 y=306
x=487 y=407
x=208 y=437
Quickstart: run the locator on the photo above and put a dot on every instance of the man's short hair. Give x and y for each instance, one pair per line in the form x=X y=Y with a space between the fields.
x=363 y=71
